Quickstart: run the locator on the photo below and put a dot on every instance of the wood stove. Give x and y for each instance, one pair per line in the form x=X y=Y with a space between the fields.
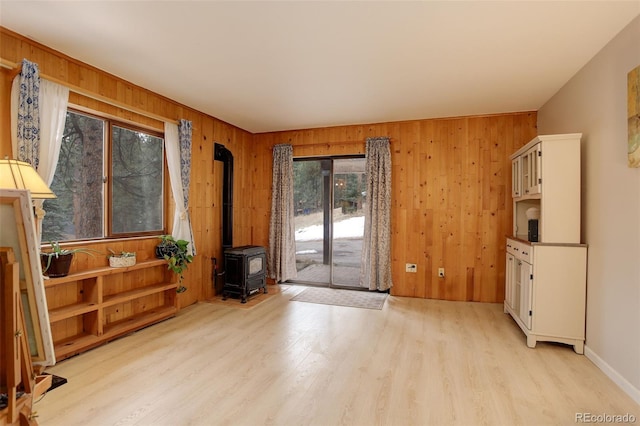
x=245 y=271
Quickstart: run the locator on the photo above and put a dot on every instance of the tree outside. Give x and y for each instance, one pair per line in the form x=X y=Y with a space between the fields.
x=136 y=191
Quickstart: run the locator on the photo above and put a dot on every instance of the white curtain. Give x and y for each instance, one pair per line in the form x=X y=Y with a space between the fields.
x=376 y=245
x=179 y=164
x=282 y=244
x=53 y=100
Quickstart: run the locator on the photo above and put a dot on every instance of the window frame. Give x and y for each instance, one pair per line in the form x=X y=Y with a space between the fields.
x=109 y=181
x=107 y=178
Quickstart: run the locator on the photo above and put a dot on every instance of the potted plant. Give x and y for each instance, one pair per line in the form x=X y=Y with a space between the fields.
x=167 y=246
x=57 y=261
x=177 y=257
x=122 y=259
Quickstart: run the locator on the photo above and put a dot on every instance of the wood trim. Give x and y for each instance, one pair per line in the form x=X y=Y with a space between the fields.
x=79 y=90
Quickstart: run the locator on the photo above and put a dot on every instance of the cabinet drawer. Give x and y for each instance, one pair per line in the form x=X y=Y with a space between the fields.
x=526 y=253
x=520 y=250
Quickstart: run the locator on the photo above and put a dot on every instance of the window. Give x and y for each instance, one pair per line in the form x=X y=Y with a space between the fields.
x=109 y=181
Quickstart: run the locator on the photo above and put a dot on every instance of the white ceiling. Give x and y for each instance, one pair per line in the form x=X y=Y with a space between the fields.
x=268 y=66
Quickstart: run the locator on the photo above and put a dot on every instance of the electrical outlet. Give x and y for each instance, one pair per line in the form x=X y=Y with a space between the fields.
x=411 y=267
x=441 y=272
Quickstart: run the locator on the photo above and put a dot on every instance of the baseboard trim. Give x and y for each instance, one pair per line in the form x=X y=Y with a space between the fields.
x=610 y=372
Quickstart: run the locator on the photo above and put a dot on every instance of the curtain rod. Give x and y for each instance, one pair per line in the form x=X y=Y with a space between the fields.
x=329 y=144
x=79 y=90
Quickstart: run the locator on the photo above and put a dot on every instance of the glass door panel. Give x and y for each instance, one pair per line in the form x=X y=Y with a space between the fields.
x=310 y=183
x=349 y=187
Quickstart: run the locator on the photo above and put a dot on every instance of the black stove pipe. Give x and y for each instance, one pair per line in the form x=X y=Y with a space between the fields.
x=223 y=154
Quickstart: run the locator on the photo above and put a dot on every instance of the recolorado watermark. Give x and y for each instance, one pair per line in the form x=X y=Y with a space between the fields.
x=605 y=418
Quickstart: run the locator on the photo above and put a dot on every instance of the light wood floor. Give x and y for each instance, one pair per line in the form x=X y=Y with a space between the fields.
x=415 y=362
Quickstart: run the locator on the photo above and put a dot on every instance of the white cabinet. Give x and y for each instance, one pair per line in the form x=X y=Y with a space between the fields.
x=546 y=291
x=546 y=175
x=546 y=279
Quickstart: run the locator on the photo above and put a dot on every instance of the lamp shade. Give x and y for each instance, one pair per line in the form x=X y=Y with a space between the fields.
x=16 y=174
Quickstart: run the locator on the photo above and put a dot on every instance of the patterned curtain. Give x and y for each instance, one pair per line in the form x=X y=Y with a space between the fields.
x=47 y=123
x=178 y=152
x=375 y=269
x=27 y=136
x=282 y=245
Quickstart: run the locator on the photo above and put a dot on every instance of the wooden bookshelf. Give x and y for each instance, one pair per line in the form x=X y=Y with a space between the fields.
x=91 y=307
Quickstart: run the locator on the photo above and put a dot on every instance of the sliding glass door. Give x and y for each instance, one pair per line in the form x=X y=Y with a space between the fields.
x=329 y=220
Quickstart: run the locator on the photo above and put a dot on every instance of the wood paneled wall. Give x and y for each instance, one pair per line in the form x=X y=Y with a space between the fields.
x=206 y=183
x=451 y=180
x=451 y=196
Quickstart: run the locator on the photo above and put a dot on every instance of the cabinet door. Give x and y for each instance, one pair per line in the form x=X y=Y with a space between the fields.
x=516 y=177
x=526 y=289
x=517 y=285
x=510 y=281
x=532 y=179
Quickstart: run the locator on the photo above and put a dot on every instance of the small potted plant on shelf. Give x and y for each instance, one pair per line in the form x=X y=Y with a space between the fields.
x=177 y=257
x=56 y=262
x=122 y=259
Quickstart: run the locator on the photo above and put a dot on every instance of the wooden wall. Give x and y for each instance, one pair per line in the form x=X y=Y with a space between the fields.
x=206 y=189
x=451 y=196
x=451 y=179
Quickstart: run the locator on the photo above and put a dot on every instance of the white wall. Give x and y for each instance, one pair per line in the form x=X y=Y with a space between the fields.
x=594 y=103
